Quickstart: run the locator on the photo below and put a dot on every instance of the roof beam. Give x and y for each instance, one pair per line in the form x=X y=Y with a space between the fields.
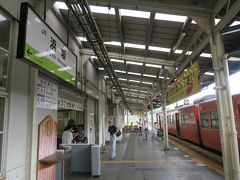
x=120 y=28
x=149 y=32
x=179 y=37
x=155 y=6
x=233 y=11
x=157 y=61
x=235 y=8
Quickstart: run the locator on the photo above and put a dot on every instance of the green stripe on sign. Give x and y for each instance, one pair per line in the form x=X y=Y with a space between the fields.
x=46 y=63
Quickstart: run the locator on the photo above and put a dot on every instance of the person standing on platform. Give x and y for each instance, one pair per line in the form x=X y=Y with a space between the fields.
x=112 y=129
x=145 y=129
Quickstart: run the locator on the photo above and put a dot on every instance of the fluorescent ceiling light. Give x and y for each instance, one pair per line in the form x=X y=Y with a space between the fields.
x=134 y=63
x=119 y=71
x=94 y=57
x=102 y=10
x=153 y=65
x=207 y=55
x=64 y=68
x=155 y=48
x=133 y=95
x=133 y=73
x=122 y=79
x=113 y=43
x=134 y=81
x=125 y=88
x=82 y=38
x=178 y=51
x=105 y=77
x=101 y=68
x=144 y=82
x=134 y=13
x=144 y=91
x=133 y=90
x=209 y=73
x=149 y=75
x=141 y=97
x=137 y=46
x=234 y=59
x=161 y=77
x=170 y=17
x=117 y=60
x=60 y=5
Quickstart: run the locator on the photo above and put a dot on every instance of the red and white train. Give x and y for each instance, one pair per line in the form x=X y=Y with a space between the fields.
x=199 y=123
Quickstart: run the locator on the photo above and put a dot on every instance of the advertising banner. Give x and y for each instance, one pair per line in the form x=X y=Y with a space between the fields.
x=47 y=94
x=41 y=46
x=185 y=85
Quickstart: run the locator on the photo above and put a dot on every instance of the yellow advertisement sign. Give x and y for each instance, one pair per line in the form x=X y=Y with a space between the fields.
x=185 y=85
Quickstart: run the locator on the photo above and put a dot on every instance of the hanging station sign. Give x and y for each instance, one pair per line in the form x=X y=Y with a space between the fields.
x=185 y=85
x=39 y=45
x=47 y=94
x=67 y=104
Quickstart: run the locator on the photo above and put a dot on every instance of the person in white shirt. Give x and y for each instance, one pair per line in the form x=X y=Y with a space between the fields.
x=154 y=131
x=67 y=135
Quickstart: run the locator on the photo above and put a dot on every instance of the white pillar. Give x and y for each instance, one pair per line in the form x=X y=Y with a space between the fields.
x=127 y=117
x=152 y=113
x=225 y=109
x=165 y=124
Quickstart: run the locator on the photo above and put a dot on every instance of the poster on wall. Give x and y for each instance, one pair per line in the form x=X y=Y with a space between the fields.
x=47 y=94
x=67 y=104
x=185 y=85
x=39 y=45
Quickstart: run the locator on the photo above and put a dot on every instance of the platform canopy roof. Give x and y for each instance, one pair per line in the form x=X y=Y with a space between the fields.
x=149 y=40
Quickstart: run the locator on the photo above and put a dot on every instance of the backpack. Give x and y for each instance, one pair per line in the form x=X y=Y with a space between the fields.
x=118 y=133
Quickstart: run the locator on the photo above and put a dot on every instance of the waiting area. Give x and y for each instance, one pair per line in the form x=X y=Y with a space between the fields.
x=139 y=159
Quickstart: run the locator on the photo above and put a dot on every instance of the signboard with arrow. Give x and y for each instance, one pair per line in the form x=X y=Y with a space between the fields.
x=40 y=46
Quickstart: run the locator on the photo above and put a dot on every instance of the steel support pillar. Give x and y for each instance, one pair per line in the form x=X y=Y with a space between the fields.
x=127 y=118
x=152 y=114
x=225 y=109
x=165 y=124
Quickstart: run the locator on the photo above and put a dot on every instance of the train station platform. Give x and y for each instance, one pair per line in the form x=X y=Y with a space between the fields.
x=139 y=159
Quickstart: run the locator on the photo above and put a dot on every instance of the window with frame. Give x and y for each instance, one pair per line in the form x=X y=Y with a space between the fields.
x=172 y=119
x=168 y=119
x=185 y=120
x=5 y=29
x=214 y=120
x=5 y=26
x=204 y=120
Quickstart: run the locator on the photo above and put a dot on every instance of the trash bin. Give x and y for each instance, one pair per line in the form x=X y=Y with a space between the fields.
x=95 y=161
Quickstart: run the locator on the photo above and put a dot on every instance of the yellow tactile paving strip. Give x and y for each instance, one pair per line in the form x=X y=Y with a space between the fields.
x=198 y=158
x=144 y=161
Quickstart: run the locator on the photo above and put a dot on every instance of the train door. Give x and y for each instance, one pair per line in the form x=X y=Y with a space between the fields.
x=177 y=124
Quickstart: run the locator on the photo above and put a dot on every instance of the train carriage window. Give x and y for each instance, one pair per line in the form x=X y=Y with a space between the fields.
x=214 y=120
x=185 y=120
x=168 y=119
x=204 y=120
x=173 y=119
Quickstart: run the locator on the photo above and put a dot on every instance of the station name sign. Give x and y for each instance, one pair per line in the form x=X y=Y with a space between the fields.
x=185 y=85
x=39 y=45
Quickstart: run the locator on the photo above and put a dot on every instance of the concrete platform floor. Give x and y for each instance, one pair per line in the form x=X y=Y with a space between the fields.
x=139 y=159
